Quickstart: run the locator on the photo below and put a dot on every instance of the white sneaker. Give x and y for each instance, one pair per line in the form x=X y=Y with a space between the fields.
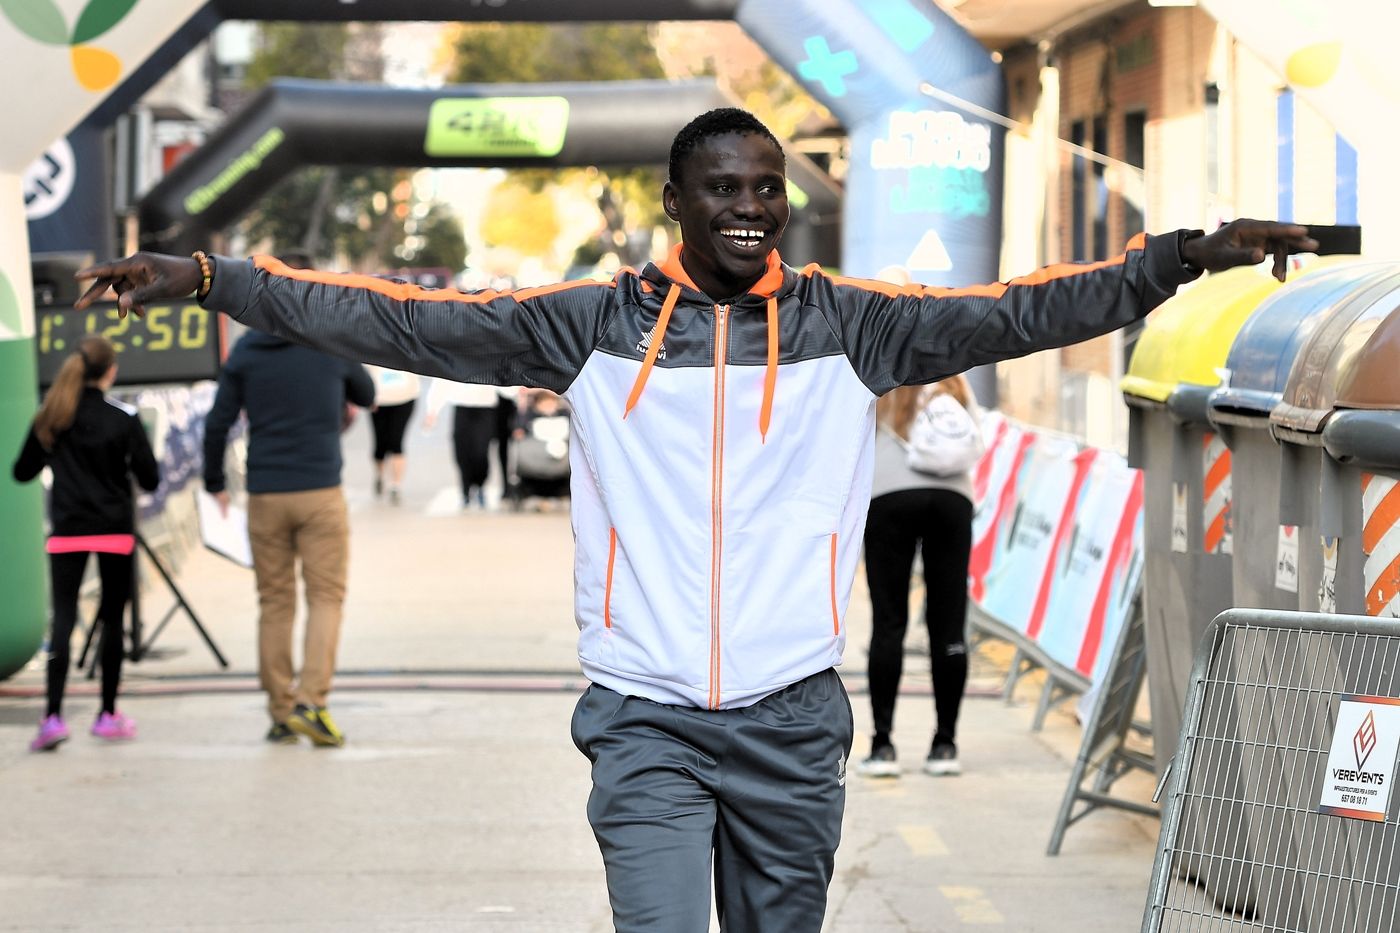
x=942 y=760
x=882 y=763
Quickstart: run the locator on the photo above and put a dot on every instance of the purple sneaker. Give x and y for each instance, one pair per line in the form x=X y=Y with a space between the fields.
x=114 y=726
x=52 y=732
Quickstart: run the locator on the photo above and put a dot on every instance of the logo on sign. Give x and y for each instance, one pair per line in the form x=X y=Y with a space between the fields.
x=48 y=181
x=1364 y=741
x=945 y=158
x=497 y=126
x=43 y=21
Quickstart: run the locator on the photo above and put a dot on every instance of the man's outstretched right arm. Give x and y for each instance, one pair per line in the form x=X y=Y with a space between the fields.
x=535 y=336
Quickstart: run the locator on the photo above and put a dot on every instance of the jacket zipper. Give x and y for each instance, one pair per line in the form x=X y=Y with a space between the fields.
x=717 y=500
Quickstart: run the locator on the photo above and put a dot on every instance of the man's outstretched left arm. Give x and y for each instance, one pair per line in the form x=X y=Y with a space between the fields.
x=917 y=334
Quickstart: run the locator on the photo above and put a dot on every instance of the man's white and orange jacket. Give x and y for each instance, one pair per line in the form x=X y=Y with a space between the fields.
x=721 y=451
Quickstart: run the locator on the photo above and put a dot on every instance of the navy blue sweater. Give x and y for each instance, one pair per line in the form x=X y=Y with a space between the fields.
x=295 y=399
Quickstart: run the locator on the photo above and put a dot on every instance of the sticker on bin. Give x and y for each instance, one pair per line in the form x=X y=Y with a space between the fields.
x=1361 y=763
x=1215 y=495
x=1179 y=518
x=1327 y=588
x=1286 y=562
x=1380 y=542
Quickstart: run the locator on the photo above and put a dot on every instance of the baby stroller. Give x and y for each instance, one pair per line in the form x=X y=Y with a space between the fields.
x=539 y=451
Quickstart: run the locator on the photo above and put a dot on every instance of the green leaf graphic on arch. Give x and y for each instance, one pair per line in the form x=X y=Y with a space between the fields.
x=41 y=20
x=9 y=310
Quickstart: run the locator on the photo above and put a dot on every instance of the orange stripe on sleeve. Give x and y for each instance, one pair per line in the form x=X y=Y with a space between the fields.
x=402 y=291
x=1050 y=273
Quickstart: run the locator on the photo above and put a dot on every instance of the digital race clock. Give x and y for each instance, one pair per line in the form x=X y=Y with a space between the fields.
x=175 y=342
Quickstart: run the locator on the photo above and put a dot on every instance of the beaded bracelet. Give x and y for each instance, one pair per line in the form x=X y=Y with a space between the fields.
x=206 y=270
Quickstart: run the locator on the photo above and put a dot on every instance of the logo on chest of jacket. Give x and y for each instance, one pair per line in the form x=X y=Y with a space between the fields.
x=645 y=344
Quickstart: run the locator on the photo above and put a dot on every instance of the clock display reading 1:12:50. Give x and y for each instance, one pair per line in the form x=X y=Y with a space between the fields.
x=174 y=342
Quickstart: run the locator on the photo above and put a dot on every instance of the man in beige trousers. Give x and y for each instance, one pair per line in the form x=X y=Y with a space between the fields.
x=295 y=400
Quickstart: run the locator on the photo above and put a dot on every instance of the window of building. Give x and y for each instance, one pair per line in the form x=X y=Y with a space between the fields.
x=1100 y=190
x=1077 y=192
x=1135 y=154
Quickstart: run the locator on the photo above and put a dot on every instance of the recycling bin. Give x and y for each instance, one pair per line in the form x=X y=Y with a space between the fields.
x=1359 y=493
x=1321 y=497
x=1189 y=551
x=1265 y=575
x=1186 y=584
x=1265 y=558
x=1361 y=501
x=1298 y=422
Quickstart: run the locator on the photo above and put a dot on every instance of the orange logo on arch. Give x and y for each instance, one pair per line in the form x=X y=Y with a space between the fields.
x=41 y=20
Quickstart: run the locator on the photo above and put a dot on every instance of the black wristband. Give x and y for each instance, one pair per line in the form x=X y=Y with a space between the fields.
x=1181 y=237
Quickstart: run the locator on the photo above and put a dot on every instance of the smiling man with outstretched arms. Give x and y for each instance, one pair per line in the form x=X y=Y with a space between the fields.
x=723 y=408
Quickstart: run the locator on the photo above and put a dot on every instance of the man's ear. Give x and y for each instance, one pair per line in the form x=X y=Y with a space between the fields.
x=669 y=201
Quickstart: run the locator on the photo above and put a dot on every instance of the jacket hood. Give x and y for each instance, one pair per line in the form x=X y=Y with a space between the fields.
x=672 y=279
x=777 y=282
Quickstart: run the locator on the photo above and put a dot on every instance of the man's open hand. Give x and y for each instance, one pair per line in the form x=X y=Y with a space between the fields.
x=139 y=279
x=1247 y=242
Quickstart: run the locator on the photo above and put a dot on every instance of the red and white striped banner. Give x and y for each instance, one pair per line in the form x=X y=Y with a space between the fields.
x=1380 y=542
x=1216 y=495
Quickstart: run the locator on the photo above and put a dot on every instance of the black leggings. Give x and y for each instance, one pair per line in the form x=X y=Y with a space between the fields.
x=66 y=573
x=940 y=522
x=472 y=430
x=505 y=427
x=390 y=422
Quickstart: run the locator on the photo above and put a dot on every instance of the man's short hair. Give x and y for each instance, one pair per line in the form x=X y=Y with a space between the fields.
x=719 y=122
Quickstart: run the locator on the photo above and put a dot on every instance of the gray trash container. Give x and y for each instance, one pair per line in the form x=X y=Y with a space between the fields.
x=1186 y=528
x=1265 y=577
x=1265 y=571
x=1179 y=353
x=1361 y=501
x=1297 y=422
x=1314 y=493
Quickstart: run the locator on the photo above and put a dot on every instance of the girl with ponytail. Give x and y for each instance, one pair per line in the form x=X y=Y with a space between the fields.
x=94 y=446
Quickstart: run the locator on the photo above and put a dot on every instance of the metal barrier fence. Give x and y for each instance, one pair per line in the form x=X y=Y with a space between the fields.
x=1280 y=816
x=1103 y=752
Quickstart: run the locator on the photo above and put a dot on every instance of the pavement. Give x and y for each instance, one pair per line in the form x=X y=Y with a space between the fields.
x=458 y=802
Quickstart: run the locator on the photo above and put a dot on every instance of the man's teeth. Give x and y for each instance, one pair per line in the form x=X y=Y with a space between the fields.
x=751 y=236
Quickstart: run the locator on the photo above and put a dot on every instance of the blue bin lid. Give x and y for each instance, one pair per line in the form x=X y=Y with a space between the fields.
x=1263 y=351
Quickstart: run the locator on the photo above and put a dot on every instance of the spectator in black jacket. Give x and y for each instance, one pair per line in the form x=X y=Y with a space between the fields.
x=295 y=399
x=94 y=445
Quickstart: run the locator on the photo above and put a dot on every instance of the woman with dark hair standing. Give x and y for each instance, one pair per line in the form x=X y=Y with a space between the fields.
x=94 y=446
x=911 y=509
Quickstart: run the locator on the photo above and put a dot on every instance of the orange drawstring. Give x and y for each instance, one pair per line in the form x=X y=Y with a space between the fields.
x=770 y=374
x=658 y=333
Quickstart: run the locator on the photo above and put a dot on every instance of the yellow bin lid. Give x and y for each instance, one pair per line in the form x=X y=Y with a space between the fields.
x=1188 y=337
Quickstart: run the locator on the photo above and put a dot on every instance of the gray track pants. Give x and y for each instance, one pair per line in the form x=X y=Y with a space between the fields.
x=762 y=788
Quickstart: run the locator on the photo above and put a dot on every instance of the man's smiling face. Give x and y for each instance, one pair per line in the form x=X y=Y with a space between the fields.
x=731 y=203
